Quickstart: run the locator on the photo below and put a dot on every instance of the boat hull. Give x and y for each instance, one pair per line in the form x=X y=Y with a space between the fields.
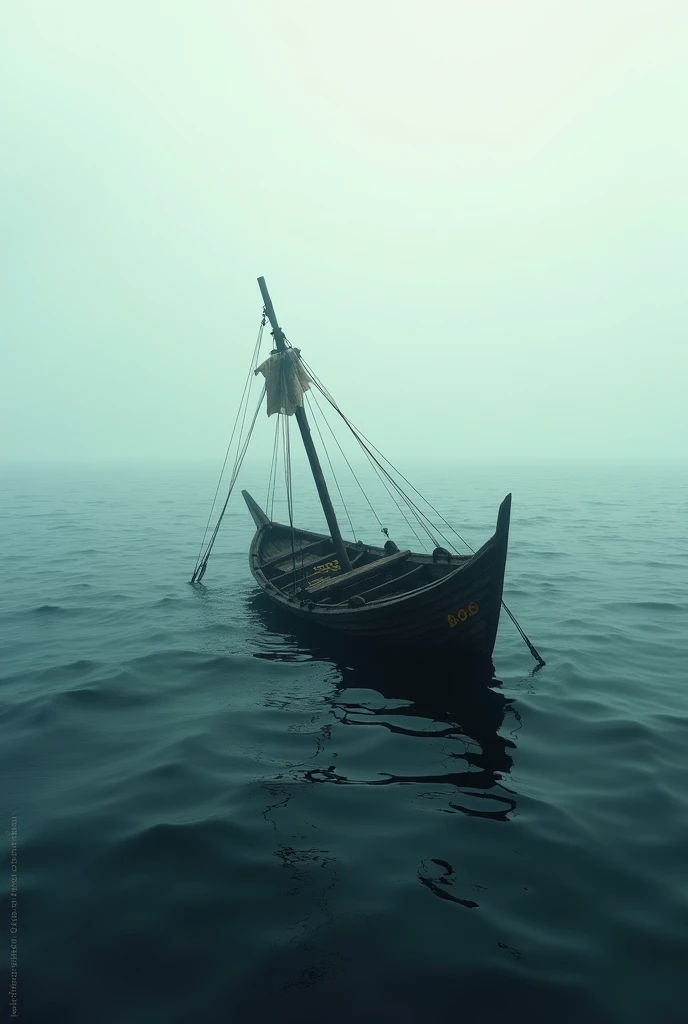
x=459 y=611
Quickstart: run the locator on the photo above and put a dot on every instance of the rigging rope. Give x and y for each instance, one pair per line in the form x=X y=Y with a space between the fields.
x=244 y=395
x=289 y=486
x=384 y=483
x=363 y=492
x=363 y=442
x=424 y=521
x=327 y=424
x=334 y=475
x=199 y=571
x=416 y=491
x=538 y=657
x=420 y=516
x=272 y=478
x=368 y=448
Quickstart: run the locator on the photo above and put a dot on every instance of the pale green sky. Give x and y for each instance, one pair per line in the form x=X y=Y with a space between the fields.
x=473 y=218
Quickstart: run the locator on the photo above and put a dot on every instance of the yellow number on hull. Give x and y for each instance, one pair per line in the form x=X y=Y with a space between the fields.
x=462 y=614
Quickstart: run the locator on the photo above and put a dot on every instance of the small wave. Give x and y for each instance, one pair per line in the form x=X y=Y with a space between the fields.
x=68 y=670
x=105 y=696
x=663 y=606
x=186 y=844
x=647 y=606
x=189 y=660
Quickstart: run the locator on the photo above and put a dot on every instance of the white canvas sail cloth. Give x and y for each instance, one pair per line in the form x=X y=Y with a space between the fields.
x=285 y=381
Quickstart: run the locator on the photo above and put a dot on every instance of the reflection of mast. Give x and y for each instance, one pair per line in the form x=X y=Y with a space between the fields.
x=302 y=420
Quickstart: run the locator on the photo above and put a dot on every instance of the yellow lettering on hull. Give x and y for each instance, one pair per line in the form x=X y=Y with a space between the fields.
x=462 y=614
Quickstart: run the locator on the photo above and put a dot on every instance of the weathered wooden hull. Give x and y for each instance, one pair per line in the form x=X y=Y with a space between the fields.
x=457 y=611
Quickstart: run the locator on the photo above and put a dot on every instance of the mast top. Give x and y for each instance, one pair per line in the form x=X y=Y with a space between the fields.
x=277 y=332
x=301 y=419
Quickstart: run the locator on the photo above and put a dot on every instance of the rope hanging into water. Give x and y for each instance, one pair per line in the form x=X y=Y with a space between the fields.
x=204 y=555
x=245 y=395
x=199 y=571
x=538 y=657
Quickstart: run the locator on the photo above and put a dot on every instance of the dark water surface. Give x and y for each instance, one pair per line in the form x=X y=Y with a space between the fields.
x=219 y=820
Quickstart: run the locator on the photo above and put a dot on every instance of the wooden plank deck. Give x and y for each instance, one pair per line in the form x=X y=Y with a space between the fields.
x=381 y=565
x=276 y=559
x=286 y=565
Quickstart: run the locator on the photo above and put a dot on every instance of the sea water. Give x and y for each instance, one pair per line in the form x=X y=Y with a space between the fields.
x=215 y=817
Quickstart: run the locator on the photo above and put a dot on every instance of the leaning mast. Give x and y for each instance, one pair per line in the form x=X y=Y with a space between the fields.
x=302 y=420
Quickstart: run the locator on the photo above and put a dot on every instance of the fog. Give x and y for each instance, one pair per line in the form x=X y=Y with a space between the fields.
x=472 y=218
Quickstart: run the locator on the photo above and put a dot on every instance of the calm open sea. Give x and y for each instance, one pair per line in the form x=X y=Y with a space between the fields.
x=220 y=820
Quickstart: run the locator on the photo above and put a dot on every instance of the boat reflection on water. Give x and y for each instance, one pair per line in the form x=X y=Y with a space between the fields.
x=421 y=696
x=376 y=953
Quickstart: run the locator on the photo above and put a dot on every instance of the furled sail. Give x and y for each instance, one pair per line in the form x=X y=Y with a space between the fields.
x=285 y=381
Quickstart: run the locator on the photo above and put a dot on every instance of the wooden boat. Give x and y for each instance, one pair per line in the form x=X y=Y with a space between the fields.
x=398 y=598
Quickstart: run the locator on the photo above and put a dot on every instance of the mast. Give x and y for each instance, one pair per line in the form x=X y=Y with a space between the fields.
x=302 y=420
